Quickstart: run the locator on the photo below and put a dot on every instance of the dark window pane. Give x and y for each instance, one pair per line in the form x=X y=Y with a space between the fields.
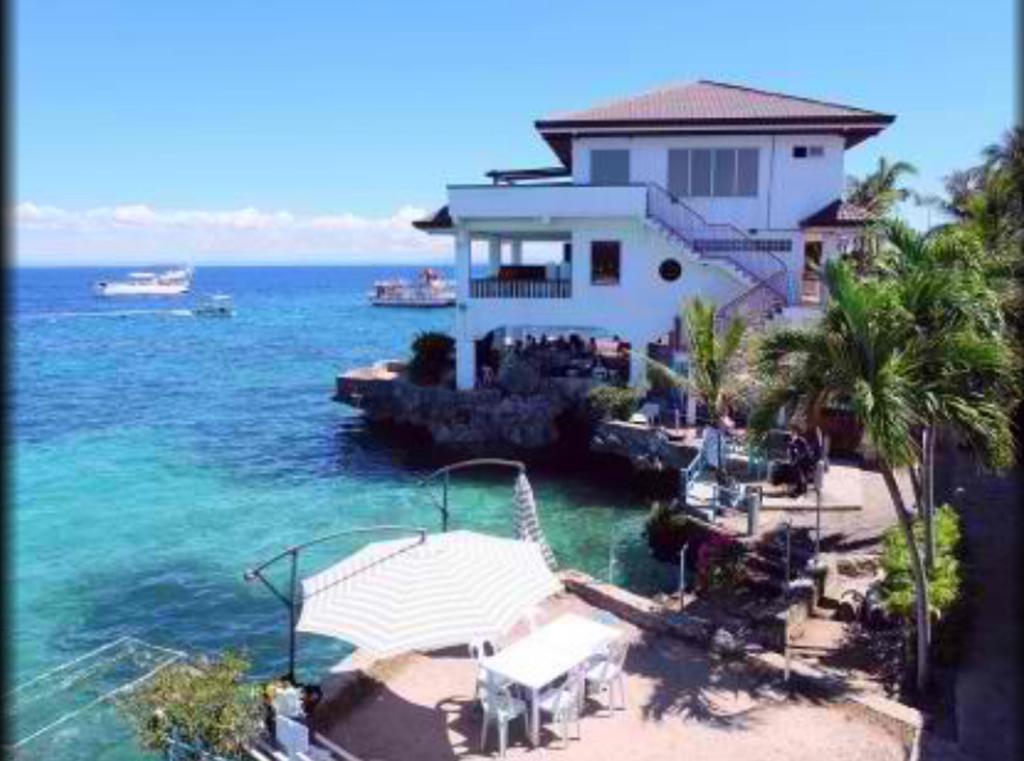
x=679 y=172
x=609 y=167
x=700 y=172
x=799 y=151
x=670 y=270
x=604 y=262
x=746 y=175
x=725 y=172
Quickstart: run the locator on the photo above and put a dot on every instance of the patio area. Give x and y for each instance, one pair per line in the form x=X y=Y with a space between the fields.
x=678 y=701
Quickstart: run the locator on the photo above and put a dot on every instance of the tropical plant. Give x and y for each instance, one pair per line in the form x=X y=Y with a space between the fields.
x=859 y=355
x=205 y=704
x=613 y=402
x=719 y=564
x=433 y=356
x=878 y=192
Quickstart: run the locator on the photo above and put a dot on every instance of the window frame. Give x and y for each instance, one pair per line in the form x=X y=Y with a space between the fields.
x=610 y=247
x=594 y=152
x=695 y=158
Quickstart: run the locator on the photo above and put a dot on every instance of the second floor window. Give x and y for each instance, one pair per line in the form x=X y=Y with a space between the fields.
x=718 y=172
x=605 y=261
x=609 y=167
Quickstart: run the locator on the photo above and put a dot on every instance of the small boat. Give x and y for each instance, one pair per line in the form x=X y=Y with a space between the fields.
x=173 y=282
x=429 y=290
x=216 y=305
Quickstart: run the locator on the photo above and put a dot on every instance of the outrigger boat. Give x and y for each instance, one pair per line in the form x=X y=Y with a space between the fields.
x=215 y=305
x=429 y=290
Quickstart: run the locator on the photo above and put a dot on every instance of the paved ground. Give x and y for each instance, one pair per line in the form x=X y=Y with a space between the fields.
x=679 y=705
x=988 y=684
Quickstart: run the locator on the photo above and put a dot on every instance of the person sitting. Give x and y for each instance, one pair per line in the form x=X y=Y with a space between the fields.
x=802 y=461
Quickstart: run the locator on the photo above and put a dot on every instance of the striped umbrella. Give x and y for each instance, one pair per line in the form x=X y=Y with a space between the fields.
x=420 y=594
x=527 y=522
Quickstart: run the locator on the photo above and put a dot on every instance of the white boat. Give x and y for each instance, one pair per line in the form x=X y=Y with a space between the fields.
x=215 y=305
x=429 y=290
x=173 y=282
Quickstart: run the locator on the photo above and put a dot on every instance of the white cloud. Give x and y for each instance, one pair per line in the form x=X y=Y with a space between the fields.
x=133 y=233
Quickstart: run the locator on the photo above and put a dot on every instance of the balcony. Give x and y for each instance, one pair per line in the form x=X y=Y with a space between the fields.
x=496 y=288
x=546 y=201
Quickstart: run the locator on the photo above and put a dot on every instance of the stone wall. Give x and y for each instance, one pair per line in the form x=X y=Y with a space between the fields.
x=487 y=416
x=647 y=448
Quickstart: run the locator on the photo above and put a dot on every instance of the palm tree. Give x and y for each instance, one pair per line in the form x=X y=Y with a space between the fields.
x=879 y=191
x=968 y=368
x=857 y=356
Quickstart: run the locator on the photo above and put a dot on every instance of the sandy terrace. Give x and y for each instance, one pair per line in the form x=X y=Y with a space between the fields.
x=679 y=705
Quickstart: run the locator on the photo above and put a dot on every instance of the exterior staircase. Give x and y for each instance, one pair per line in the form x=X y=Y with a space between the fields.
x=727 y=246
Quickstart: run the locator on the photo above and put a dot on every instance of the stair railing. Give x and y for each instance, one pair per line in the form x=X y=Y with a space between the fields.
x=717 y=240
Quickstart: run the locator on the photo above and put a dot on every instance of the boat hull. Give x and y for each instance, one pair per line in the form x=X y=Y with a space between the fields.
x=127 y=289
x=413 y=303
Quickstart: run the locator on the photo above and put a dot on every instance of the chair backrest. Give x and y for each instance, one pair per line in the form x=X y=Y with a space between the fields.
x=613 y=659
x=481 y=648
x=570 y=694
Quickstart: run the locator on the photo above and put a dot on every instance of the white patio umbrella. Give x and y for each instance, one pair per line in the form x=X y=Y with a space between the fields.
x=420 y=594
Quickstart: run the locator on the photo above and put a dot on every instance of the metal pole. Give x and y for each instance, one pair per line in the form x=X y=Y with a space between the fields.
x=788 y=525
x=444 y=504
x=291 y=617
x=682 y=574
x=819 y=478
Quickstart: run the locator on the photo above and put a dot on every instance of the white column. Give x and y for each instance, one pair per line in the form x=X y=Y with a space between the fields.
x=517 y=252
x=494 y=255
x=638 y=364
x=465 y=363
x=463 y=259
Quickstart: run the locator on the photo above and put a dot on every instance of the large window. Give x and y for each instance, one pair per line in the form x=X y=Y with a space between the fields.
x=605 y=261
x=719 y=172
x=609 y=167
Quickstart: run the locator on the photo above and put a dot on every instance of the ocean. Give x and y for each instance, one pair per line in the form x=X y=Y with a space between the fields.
x=155 y=456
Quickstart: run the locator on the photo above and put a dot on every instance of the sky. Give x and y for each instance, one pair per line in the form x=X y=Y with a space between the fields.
x=313 y=132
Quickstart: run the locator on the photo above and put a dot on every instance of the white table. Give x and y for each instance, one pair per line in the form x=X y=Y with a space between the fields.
x=551 y=651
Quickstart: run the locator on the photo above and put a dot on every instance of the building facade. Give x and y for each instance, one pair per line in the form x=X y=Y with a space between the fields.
x=702 y=189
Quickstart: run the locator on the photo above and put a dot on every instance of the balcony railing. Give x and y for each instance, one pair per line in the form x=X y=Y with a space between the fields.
x=493 y=288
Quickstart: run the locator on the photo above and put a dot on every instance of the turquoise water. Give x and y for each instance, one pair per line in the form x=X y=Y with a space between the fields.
x=156 y=455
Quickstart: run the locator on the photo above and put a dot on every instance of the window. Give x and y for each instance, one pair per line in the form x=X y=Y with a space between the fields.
x=679 y=172
x=609 y=167
x=721 y=172
x=700 y=172
x=808 y=151
x=670 y=270
x=605 y=257
x=746 y=172
x=725 y=172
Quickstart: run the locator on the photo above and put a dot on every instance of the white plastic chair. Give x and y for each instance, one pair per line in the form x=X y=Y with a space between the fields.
x=501 y=708
x=606 y=672
x=479 y=650
x=565 y=703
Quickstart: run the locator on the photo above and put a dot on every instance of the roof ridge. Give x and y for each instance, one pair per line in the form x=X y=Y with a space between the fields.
x=620 y=98
x=777 y=94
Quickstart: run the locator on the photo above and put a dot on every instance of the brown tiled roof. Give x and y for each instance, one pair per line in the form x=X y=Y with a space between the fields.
x=711 y=106
x=714 y=101
x=439 y=220
x=838 y=214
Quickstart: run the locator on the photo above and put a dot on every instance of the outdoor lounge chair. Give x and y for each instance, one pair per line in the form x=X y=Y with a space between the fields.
x=565 y=702
x=606 y=672
x=501 y=708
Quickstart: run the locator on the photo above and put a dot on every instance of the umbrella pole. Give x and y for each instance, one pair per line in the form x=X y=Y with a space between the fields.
x=291 y=618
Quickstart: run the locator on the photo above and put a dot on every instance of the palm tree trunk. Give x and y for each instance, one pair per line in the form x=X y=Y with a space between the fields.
x=928 y=495
x=920 y=579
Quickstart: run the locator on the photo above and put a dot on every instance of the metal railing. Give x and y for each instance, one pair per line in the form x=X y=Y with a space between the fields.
x=493 y=288
x=446 y=472
x=723 y=241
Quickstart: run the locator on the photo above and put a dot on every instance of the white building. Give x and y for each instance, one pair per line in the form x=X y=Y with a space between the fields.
x=704 y=189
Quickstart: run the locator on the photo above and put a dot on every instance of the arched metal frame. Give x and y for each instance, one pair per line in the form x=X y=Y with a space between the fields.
x=290 y=601
x=447 y=470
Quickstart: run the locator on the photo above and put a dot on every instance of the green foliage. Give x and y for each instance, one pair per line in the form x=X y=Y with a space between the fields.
x=660 y=378
x=719 y=565
x=206 y=704
x=433 y=357
x=714 y=356
x=612 y=402
x=667 y=531
x=879 y=191
x=944 y=582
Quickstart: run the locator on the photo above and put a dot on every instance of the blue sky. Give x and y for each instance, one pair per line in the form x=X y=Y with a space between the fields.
x=224 y=130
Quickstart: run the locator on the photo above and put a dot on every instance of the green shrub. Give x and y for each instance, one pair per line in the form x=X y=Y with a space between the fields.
x=666 y=531
x=659 y=379
x=433 y=356
x=944 y=582
x=612 y=402
x=719 y=564
x=206 y=704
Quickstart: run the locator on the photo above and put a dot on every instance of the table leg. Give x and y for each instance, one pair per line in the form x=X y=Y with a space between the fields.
x=535 y=717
